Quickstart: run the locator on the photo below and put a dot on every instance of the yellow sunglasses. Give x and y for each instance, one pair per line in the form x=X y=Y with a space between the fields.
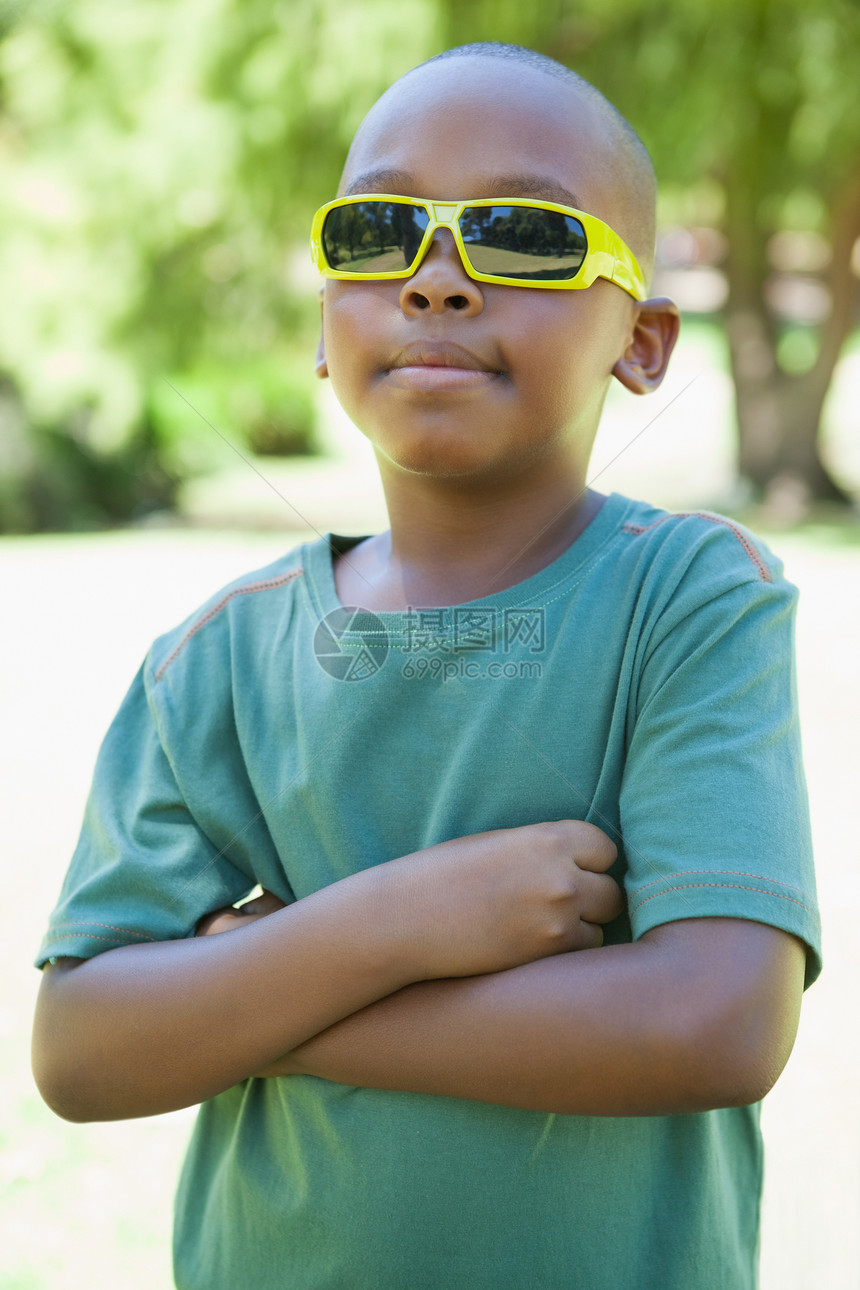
x=514 y=242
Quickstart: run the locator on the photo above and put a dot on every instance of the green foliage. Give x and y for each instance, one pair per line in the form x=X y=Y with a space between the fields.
x=749 y=109
x=160 y=162
x=703 y=83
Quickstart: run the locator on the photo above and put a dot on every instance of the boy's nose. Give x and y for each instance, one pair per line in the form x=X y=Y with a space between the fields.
x=440 y=282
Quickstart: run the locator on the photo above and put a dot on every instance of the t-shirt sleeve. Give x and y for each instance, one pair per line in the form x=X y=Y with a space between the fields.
x=714 y=812
x=144 y=869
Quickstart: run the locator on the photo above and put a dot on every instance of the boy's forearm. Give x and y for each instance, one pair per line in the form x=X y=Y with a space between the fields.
x=696 y=1015
x=150 y=1028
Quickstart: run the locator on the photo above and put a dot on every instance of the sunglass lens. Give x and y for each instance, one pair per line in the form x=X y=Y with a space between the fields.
x=523 y=243
x=373 y=237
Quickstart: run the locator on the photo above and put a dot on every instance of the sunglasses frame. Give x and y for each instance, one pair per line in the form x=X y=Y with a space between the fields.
x=606 y=256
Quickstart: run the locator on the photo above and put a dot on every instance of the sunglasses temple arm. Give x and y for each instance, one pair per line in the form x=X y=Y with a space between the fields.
x=632 y=282
x=623 y=273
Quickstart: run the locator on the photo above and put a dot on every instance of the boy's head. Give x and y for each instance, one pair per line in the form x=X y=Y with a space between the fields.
x=625 y=167
x=447 y=374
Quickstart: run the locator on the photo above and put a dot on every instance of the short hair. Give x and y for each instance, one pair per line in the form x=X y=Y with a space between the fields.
x=641 y=179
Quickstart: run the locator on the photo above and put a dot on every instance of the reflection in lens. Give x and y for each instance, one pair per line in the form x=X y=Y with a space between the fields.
x=524 y=243
x=373 y=237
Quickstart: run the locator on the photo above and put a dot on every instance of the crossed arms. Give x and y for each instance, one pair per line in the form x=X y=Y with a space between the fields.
x=474 y=968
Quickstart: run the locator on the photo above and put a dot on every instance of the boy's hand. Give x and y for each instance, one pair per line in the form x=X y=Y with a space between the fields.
x=492 y=901
x=483 y=903
x=488 y=901
x=232 y=916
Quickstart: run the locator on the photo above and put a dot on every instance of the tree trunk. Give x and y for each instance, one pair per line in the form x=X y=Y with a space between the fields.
x=778 y=423
x=778 y=413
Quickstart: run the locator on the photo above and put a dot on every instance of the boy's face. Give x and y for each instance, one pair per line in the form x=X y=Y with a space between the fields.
x=455 y=378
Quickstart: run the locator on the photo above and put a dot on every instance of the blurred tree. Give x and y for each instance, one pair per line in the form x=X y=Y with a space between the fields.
x=159 y=163
x=755 y=103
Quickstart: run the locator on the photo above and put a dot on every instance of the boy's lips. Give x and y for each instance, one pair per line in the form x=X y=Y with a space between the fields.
x=439 y=365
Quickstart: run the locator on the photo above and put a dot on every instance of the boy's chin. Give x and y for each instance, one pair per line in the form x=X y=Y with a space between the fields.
x=417 y=452
x=449 y=465
x=478 y=453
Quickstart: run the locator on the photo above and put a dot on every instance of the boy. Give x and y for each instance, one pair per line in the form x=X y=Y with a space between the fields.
x=478 y=1065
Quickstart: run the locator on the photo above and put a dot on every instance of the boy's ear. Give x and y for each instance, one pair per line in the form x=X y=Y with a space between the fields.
x=320 y=365
x=655 y=330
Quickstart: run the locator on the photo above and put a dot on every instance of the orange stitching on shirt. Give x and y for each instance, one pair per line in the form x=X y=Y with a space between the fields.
x=268 y=585
x=763 y=571
x=114 y=940
x=736 y=873
x=83 y=922
x=729 y=886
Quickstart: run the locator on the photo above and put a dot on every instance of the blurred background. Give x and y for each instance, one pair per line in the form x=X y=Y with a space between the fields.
x=161 y=432
x=160 y=164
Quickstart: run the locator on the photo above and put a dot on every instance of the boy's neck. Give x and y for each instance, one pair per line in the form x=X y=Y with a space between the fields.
x=448 y=544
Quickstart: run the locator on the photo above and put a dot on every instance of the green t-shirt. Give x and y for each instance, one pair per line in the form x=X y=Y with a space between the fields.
x=644 y=681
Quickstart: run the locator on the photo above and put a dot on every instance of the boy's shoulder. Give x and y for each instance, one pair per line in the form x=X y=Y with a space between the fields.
x=688 y=576
x=671 y=553
x=219 y=623
x=698 y=542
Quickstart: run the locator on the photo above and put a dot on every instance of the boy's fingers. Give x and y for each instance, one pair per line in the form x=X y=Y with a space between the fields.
x=266 y=903
x=589 y=936
x=602 y=899
x=230 y=917
x=220 y=920
x=592 y=848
